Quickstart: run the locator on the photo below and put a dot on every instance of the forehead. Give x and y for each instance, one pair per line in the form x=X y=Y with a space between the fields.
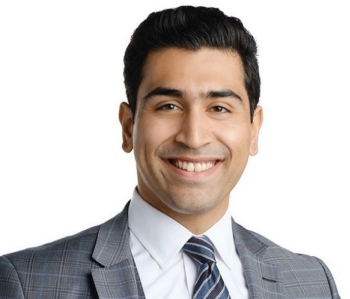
x=195 y=72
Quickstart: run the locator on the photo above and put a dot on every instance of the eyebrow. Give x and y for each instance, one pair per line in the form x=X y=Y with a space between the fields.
x=226 y=93
x=164 y=91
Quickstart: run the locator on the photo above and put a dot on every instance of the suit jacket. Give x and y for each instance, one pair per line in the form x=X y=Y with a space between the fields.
x=98 y=263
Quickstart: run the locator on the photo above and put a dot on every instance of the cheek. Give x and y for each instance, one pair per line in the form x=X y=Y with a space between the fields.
x=158 y=129
x=236 y=138
x=149 y=134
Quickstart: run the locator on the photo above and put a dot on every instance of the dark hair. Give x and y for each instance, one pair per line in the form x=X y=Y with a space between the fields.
x=190 y=28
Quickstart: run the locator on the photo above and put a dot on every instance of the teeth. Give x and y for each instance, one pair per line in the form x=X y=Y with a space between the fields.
x=191 y=167
x=197 y=167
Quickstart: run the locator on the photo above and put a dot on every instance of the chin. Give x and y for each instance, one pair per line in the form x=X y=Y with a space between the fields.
x=192 y=204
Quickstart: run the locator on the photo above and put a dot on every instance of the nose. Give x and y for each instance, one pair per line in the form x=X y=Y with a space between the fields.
x=194 y=131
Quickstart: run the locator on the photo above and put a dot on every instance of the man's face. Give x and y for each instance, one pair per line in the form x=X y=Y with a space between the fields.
x=192 y=133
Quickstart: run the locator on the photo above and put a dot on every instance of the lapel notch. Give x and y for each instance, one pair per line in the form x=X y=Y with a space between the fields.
x=263 y=279
x=118 y=279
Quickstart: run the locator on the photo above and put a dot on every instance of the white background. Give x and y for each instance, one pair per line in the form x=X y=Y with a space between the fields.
x=61 y=165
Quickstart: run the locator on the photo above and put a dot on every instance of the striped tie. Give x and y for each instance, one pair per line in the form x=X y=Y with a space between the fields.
x=209 y=284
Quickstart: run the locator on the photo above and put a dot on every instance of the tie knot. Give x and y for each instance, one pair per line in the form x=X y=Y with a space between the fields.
x=200 y=249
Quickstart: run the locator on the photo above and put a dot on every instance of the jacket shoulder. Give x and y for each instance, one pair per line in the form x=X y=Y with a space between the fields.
x=276 y=253
x=10 y=285
x=80 y=242
x=296 y=268
x=42 y=271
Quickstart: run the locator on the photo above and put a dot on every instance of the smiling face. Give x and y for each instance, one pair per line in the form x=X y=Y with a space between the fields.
x=192 y=133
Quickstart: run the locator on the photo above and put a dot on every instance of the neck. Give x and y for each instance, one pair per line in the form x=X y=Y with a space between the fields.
x=198 y=223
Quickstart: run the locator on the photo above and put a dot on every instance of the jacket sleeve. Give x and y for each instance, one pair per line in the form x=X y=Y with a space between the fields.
x=331 y=282
x=10 y=285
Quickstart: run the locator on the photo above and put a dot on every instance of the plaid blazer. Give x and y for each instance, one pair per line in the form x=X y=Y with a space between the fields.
x=97 y=263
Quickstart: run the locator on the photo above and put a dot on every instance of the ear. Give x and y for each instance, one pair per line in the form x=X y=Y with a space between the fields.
x=255 y=126
x=126 y=121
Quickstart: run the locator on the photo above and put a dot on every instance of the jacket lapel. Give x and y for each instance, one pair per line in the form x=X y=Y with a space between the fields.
x=263 y=279
x=119 y=277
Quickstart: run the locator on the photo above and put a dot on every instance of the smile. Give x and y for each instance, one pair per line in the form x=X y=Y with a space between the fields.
x=193 y=166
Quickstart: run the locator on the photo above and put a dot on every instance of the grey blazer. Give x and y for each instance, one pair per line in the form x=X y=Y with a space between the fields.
x=97 y=263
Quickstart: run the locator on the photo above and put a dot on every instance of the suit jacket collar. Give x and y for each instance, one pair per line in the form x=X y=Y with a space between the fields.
x=112 y=245
x=263 y=278
x=119 y=277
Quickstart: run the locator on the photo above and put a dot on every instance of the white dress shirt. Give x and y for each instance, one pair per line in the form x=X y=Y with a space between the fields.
x=165 y=271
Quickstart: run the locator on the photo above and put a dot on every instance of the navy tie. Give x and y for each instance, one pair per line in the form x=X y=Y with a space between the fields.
x=209 y=283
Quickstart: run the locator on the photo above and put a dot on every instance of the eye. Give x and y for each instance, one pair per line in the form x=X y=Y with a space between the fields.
x=219 y=109
x=168 y=107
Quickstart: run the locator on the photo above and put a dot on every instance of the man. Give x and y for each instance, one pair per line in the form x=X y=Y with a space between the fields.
x=192 y=119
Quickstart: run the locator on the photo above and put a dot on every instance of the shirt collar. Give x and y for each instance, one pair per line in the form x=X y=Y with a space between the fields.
x=163 y=237
x=222 y=236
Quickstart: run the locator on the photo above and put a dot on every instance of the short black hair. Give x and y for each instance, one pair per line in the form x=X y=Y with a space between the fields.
x=191 y=28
